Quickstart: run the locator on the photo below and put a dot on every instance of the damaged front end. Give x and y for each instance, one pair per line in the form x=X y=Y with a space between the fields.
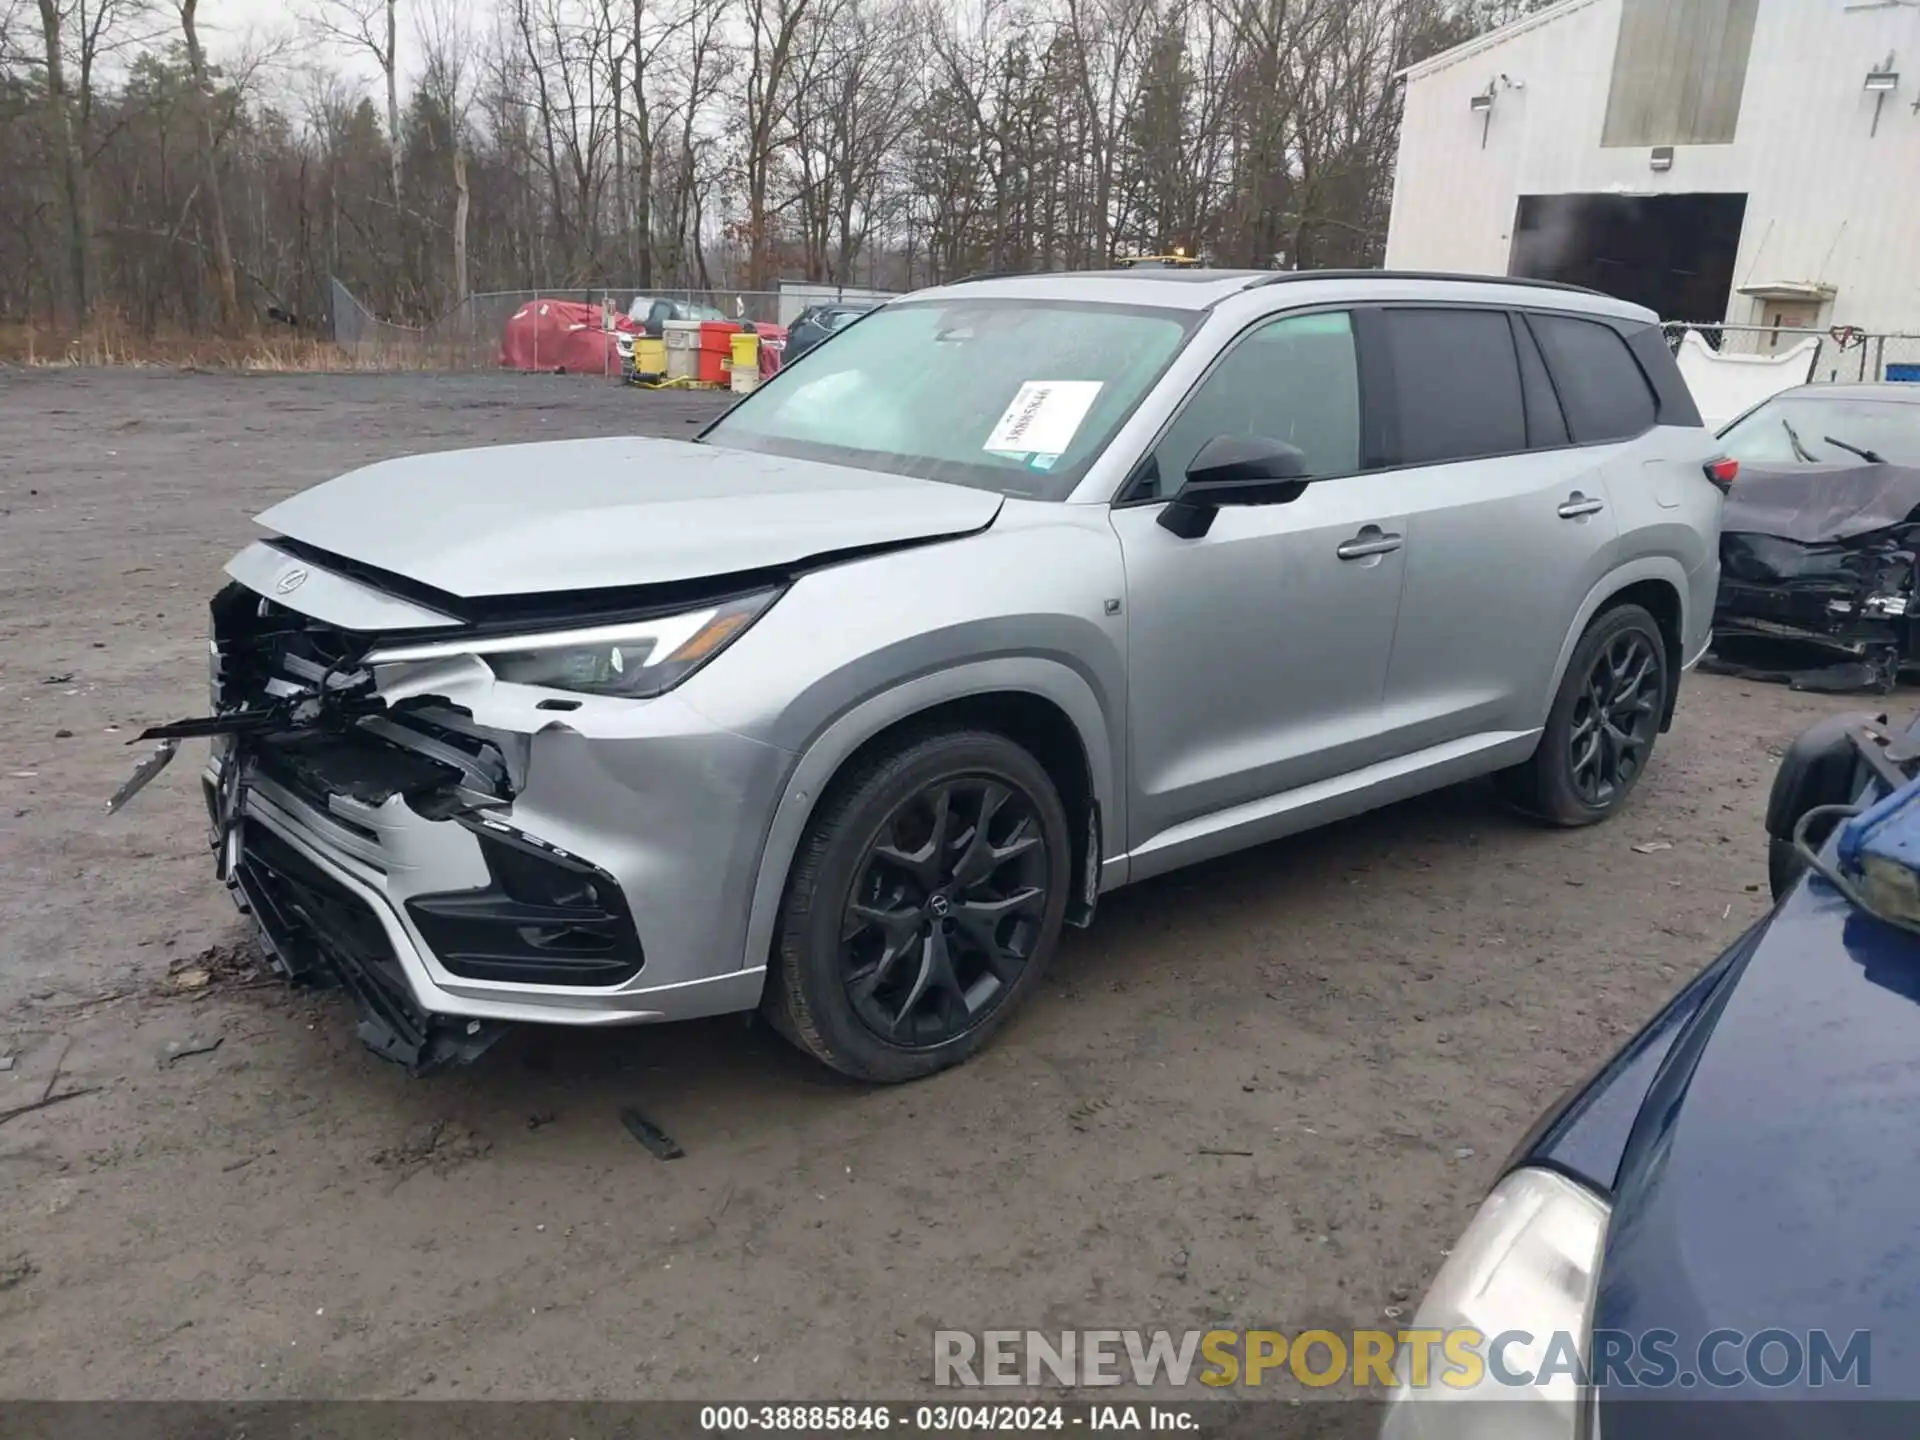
x=315 y=792
x=1817 y=576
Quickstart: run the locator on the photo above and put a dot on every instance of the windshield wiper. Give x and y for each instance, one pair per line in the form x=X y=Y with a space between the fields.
x=1872 y=457
x=1800 y=451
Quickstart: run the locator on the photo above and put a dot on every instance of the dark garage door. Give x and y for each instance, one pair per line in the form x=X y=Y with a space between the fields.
x=1672 y=253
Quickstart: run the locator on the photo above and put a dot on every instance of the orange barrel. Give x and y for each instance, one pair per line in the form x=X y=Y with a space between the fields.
x=716 y=349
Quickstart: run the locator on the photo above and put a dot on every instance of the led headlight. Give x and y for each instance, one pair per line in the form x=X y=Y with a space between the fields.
x=1503 y=1337
x=630 y=661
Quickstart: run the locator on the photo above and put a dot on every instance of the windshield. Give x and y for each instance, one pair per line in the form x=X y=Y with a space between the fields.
x=1013 y=396
x=1805 y=429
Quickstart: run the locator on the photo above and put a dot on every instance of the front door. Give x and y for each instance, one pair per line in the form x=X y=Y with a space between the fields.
x=1257 y=652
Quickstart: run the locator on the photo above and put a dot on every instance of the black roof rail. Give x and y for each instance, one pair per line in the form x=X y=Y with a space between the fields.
x=1282 y=277
x=989 y=275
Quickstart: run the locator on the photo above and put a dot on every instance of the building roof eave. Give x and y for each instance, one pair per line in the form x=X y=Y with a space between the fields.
x=1467 y=49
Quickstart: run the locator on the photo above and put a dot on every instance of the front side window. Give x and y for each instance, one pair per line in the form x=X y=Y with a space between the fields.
x=1815 y=429
x=1018 y=397
x=1295 y=380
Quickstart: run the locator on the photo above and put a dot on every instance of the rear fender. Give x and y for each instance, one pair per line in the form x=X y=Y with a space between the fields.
x=1648 y=567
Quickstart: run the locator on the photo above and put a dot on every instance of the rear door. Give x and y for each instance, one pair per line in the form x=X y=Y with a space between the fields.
x=1510 y=523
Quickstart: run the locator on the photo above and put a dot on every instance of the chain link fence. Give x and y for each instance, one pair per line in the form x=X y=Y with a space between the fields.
x=1843 y=355
x=469 y=337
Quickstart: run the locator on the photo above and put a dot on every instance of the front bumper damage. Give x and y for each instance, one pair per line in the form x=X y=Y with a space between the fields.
x=1817 y=577
x=1848 y=603
x=456 y=857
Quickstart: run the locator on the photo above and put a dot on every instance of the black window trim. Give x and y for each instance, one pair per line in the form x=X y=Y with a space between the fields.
x=1620 y=329
x=1125 y=499
x=1391 y=380
x=1379 y=394
x=1522 y=314
x=1526 y=342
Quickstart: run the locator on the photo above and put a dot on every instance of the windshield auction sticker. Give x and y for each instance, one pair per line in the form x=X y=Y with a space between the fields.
x=1043 y=417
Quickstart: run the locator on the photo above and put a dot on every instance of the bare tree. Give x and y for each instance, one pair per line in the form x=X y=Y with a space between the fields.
x=446 y=46
x=216 y=213
x=372 y=26
x=67 y=145
x=689 y=143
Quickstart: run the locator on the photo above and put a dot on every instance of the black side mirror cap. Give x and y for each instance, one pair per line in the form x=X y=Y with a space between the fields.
x=1235 y=470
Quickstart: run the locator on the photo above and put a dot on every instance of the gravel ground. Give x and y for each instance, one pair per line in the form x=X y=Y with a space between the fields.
x=1364 y=1019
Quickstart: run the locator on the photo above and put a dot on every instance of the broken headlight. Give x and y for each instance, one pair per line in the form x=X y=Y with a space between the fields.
x=628 y=661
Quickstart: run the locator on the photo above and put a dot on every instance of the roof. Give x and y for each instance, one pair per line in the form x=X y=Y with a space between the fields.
x=1467 y=49
x=1203 y=289
x=1888 y=392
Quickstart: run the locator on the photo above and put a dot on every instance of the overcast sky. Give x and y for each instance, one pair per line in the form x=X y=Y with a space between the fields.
x=226 y=25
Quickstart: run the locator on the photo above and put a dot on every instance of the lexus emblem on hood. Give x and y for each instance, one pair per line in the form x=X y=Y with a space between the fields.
x=291 y=581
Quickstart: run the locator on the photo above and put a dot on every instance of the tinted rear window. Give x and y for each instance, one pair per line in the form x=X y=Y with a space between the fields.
x=1458 y=384
x=1602 y=389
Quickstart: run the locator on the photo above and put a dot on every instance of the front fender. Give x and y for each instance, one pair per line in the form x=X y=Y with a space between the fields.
x=820 y=760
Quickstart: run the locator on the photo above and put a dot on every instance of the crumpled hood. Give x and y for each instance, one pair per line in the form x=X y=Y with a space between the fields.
x=1817 y=504
x=599 y=514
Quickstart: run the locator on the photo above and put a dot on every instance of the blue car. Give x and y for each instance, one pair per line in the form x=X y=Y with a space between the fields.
x=1718 y=1232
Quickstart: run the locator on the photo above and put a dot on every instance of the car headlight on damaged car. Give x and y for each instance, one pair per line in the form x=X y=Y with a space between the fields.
x=1499 y=1348
x=631 y=660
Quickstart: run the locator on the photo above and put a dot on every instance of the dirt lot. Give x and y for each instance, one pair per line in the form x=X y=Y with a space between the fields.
x=1374 y=1013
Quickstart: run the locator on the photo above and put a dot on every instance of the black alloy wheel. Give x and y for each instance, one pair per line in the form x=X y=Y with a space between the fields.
x=925 y=899
x=1603 y=725
x=1615 y=717
x=945 y=910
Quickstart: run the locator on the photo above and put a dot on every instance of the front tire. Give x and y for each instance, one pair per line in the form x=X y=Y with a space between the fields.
x=1601 y=731
x=925 y=902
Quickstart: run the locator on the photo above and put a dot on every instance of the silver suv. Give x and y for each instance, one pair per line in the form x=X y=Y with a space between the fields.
x=1021 y=590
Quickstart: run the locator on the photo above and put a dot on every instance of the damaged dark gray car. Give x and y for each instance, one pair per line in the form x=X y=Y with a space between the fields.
x=1820 y=537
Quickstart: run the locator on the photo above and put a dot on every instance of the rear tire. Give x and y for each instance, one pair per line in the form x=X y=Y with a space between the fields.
x=1601 y=730
x=924 y=904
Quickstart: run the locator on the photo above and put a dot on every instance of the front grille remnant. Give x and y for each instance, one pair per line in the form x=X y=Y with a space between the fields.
x=324 y=733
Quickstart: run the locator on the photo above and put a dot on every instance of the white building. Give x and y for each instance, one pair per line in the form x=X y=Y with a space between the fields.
x=1746 y=161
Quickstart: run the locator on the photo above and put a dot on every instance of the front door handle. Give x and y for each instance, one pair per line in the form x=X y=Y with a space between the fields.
x=1578 y=505
x=1371 y=540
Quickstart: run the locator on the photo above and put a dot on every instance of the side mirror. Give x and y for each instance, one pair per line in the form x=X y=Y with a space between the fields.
x=1235 y=470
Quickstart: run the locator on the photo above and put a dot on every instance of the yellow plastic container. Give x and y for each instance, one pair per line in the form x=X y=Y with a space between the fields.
x=649 y=357
x=745 y=362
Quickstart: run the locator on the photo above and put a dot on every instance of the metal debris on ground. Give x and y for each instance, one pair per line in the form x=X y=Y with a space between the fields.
x=6 y=1063
x=1652 y=847
x=193 y=1045
x=650 y=1135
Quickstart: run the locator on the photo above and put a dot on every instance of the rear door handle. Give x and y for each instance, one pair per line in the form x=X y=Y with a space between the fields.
x=1371 y=540
x=1577 y=505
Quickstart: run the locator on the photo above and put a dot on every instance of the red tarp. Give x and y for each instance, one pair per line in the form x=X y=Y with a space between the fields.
x=562 y=335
